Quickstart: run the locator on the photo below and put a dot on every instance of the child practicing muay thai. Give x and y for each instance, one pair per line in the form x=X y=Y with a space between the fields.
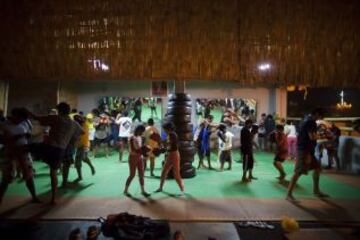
x=152 y=140
x=136 y=151
x=82 y=148
x=246 y=139
x=281 y=150
x=173 y=158
x=225 y=146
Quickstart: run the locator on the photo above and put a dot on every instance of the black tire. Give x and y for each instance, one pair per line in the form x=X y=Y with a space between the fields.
x=185 y=138
x=186 y=157
x=188 y=160
x=188 y=173
x=187 y=149
x=176 y=119
x=177 y=104
x=184 y=128
x=179 y=97
x=187 y=154
x=186 y=165
x=186 y=144
x=179 y=110
x=185 y=135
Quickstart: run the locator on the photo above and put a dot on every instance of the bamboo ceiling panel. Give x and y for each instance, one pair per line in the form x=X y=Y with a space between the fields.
x=307 y=42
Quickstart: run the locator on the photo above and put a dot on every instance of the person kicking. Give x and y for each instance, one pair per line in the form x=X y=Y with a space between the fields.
x=306 y=154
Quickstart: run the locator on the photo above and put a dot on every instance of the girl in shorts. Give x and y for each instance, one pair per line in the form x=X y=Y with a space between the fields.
x=172 y=161
x=136 y=149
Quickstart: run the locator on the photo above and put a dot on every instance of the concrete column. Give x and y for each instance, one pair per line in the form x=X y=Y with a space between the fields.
x=179 y=86
x=278 y=102
x=281 y=102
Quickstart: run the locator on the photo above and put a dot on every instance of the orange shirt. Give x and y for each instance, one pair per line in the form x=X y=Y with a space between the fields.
x=83 y=140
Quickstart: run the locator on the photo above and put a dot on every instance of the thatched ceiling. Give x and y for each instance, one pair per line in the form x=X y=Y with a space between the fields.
x=315 y=42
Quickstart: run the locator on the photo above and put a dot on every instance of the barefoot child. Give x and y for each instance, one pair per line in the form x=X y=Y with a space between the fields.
x=82 y=148
x=136 y=149
x=281 y=150
x=225 y=146
x=173 y=158
x=152 y=140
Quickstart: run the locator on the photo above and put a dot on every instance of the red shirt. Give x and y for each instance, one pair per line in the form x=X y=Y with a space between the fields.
x=281 y=145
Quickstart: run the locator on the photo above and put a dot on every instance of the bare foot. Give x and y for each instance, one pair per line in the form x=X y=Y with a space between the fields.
x=126 y=193
x=281 y=177
x=158 y=190
x=93 y=171
x=35 y=200
x=321 y=194
x=290 y=198
x=145 y=194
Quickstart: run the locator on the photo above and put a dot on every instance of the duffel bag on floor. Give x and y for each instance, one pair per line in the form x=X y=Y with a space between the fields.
x=126 y=226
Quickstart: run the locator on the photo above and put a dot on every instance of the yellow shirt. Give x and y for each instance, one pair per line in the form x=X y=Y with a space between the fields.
x=83 y=140
x=89 y=124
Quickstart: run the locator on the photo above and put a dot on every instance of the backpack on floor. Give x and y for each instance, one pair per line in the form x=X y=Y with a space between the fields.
x=125 y=226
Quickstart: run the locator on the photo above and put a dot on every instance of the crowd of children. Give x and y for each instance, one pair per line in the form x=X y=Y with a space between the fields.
x=70 y=135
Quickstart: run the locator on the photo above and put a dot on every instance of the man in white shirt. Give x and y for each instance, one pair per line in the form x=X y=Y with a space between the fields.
x=125 y=123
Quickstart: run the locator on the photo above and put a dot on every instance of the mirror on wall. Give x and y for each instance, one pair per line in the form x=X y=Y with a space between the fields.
x=139 y=109
x=241 y=108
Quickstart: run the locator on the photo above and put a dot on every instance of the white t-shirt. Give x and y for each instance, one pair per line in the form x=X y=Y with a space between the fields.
x=125 y=127
x=22 y=128
x=290 y=130
x=227 y=145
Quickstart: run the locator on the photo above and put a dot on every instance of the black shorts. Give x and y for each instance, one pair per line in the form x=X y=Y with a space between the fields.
x=98 y=141
x=248 y=161
x=69 y=156
x=53 y=156
x=203 y=153
x=123 y=139
x=278 y=159
x=225 y=156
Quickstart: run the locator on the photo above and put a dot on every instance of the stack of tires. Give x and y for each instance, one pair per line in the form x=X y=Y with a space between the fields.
x=179 y=113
